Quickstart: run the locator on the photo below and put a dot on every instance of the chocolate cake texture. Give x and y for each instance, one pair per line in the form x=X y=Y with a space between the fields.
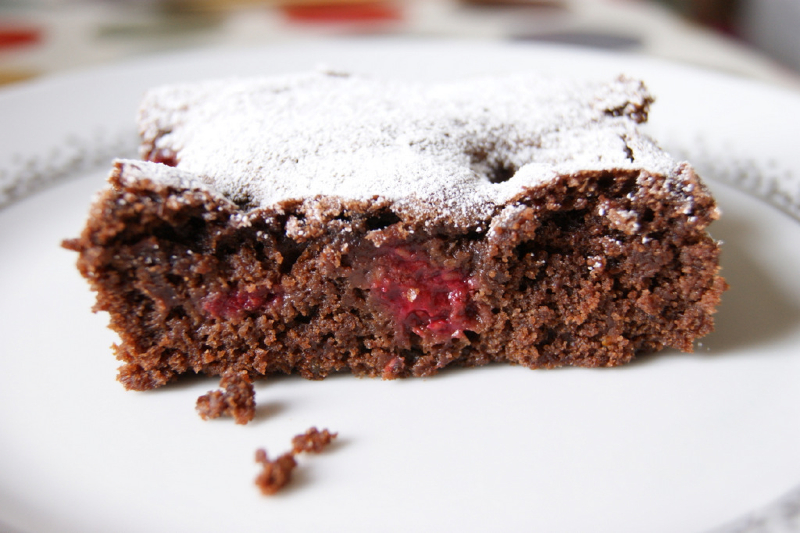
x=325 y=222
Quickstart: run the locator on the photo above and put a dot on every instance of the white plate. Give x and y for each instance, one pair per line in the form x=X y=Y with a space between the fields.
x=672 y=442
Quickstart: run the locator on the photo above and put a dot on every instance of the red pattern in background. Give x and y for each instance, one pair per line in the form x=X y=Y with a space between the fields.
x=344 y=12
x=13 y=35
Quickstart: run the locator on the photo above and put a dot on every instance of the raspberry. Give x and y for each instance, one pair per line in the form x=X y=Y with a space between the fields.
x=433 y=302
x=235 y=304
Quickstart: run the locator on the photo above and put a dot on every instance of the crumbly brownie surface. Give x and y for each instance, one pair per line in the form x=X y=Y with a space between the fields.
x=330 y=233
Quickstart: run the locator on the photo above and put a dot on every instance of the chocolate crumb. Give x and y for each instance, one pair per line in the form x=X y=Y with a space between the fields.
x=312 y=440
x=236 y=400
x=276 y=474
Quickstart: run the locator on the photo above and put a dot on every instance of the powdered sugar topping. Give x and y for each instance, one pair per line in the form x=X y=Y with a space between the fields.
x=451 y=150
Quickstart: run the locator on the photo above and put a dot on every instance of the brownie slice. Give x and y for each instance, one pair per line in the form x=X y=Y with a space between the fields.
x=321 y=222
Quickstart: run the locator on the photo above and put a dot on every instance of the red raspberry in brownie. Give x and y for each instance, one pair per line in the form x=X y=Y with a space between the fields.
x=237 y=303
x=432 y=302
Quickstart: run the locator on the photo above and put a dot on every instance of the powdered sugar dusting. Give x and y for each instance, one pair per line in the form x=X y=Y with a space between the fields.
x=452 y=151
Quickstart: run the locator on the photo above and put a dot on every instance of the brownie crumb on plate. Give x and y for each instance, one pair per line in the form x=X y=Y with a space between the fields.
x=312 y=441
x=276 y=474
x=237 y=399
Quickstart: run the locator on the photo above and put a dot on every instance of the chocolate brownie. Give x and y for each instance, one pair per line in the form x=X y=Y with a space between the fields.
x=323 y=222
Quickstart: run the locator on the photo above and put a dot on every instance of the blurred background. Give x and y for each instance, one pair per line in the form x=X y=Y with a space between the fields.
x=753 y=38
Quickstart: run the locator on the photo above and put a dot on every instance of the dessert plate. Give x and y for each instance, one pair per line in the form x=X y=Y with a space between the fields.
x=672 y=442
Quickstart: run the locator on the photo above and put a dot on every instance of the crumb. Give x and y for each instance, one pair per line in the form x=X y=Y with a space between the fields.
x=236 y=400
x=312 y=440
x=276 y=474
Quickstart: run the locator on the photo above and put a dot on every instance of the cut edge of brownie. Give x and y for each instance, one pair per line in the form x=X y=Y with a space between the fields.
x=587 y=269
